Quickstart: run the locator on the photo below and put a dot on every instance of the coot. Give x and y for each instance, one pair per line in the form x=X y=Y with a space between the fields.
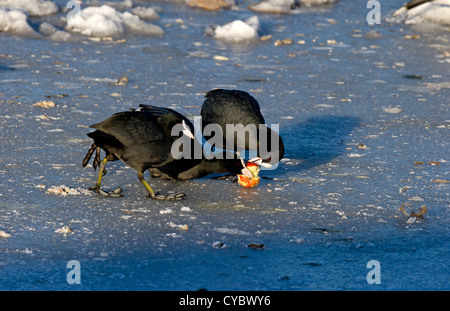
x=233 y=107
x=142 y=139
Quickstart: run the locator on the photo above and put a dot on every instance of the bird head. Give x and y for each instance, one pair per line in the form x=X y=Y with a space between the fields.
x=249 y=177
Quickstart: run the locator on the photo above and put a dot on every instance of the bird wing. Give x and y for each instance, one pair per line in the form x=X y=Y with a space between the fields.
x=131 y=127
x=147 y=124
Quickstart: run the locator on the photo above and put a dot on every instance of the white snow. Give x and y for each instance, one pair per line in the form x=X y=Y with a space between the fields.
x=273 y=6
x=105 y=21
x=31 y=7
x=15 y=22
x=238 y=30
x=145 y=13
x=285 y=6
x=437 y=12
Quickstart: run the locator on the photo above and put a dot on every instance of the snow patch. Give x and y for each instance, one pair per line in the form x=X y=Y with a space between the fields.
x=15 y=22
x=436 y=12
x=31 y=7
x=238 y=30
x=105 y=21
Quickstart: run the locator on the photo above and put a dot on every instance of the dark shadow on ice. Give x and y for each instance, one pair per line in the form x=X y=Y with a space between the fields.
x=317 y=140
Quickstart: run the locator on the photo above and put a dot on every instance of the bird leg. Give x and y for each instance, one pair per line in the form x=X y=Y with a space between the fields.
x=158 y=196
x=97 y=187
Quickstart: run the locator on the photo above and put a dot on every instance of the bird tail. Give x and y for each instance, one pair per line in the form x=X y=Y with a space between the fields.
x=87 y=158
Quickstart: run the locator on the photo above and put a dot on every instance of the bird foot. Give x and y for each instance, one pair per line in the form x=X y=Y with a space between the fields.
x=168 y=197
x=116 y=193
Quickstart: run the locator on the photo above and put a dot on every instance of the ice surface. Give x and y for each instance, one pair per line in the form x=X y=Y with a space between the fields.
x=365 y=123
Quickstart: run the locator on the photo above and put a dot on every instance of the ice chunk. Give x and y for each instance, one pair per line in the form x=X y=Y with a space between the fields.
x=285 y=6
x=437 y=12
x=273 y=6
x=106 y=21
x=118 y=5
x=15 y=22
x=47 y=29
x=32 y=7
x=145 y=13
x=238 y=30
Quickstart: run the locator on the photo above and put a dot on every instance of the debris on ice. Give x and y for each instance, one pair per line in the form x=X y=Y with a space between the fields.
x=166 y=211
x=181 y=227
x=64 y=230
x=218 y=244
x=4 y=234
x=64 y=190
x=45 y=104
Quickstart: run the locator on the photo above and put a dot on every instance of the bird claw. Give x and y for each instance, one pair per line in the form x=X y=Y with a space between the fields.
x=116 y=193
x=168 y=197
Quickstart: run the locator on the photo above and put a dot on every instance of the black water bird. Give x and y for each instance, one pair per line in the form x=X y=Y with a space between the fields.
x=234 y=107
x=142 y=139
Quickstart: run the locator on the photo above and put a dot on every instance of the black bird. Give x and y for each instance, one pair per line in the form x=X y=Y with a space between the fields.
x=242 y=125
x=141 y=139
x=234 y=107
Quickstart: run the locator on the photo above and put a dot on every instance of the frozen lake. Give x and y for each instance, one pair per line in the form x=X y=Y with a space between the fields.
x=363 y=112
